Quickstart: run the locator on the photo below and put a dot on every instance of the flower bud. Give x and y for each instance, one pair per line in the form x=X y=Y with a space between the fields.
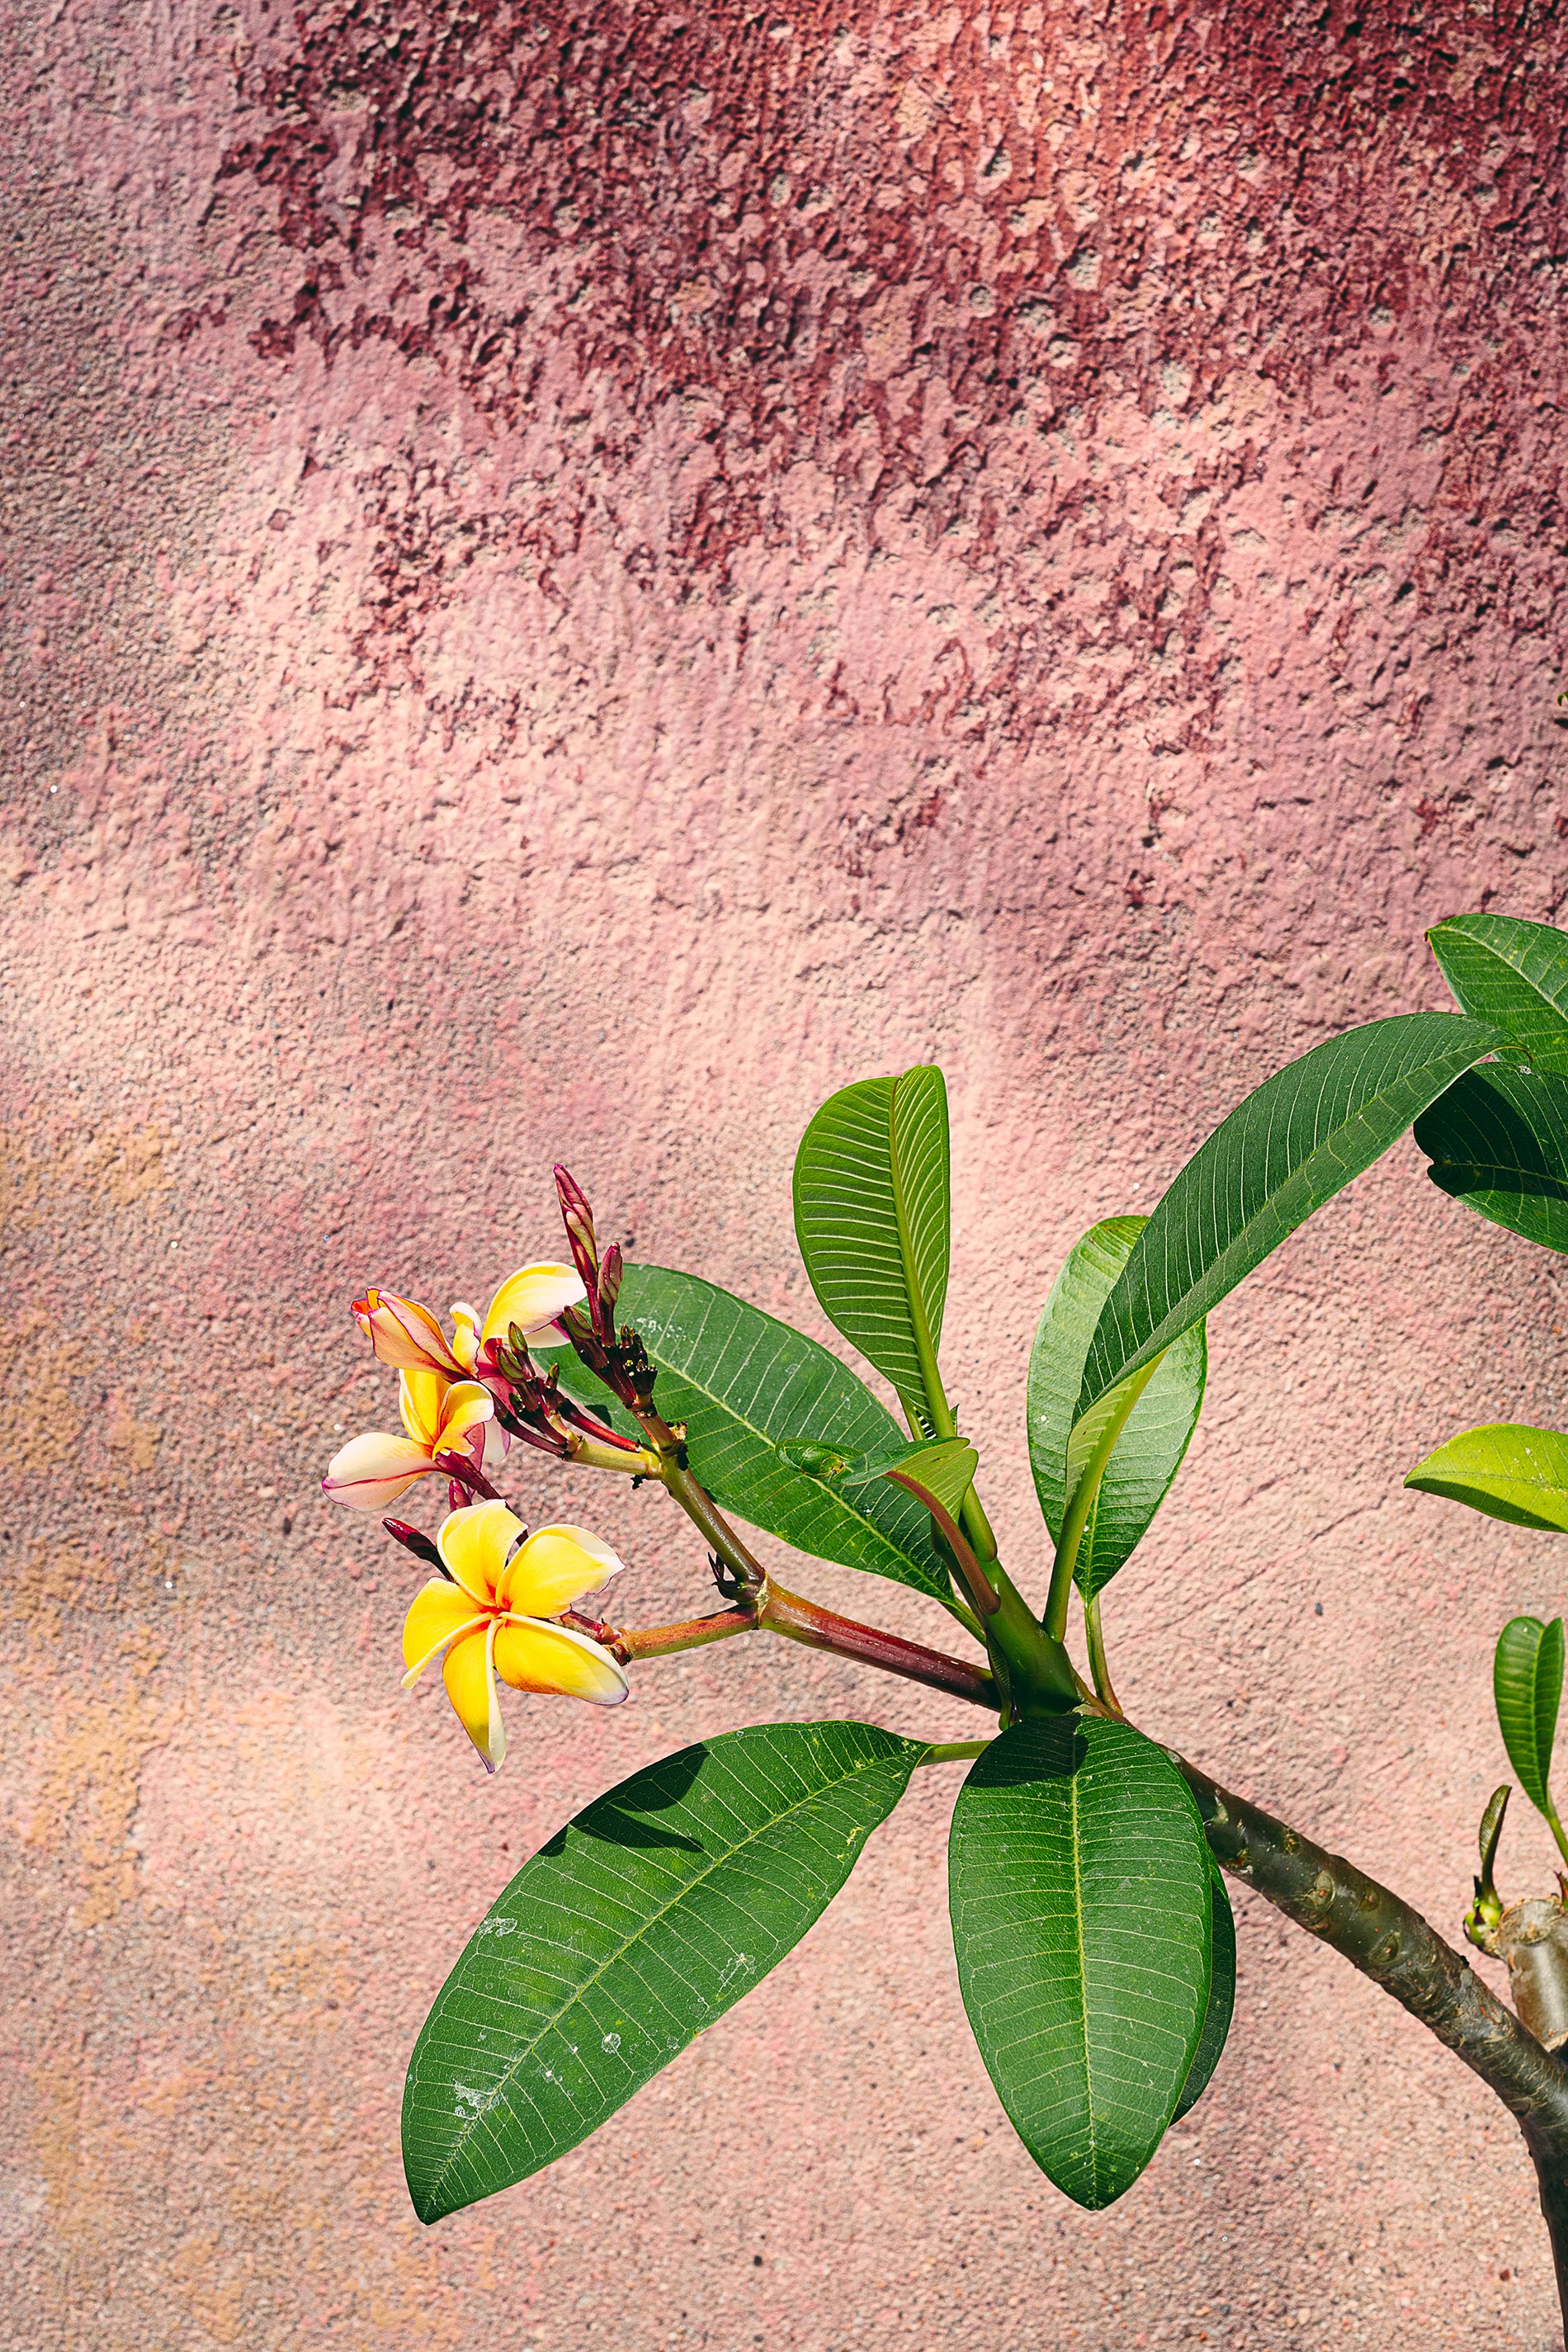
x=578 y=1219
x=412 y=1540
x=405 y=1334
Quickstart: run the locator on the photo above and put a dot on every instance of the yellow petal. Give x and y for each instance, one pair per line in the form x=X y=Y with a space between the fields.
x=372 y=1471
x=474 y=1542
x=533 y=1297
x=438 y=1612
x=554 y=1569
x=533 y=1658
x=468 y=1673
x=419 y=1395
x=464 y=1408
x=403 y=1333
x=465 y=1333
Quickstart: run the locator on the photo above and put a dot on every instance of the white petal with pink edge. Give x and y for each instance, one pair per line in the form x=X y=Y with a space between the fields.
x=370 y=1471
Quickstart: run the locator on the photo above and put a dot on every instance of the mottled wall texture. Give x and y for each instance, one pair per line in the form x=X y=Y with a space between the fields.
x=577 y=576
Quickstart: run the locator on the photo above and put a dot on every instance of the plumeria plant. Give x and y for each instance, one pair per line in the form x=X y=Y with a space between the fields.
x=1094 y=1940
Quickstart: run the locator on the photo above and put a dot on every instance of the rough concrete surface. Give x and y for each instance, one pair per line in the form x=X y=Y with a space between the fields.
x=574 y=579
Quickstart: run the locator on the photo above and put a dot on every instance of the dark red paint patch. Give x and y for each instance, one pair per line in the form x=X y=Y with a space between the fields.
x=861 y=230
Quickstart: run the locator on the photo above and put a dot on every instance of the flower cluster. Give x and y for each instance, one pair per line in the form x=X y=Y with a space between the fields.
x=494 y=1613
x=449 y=1415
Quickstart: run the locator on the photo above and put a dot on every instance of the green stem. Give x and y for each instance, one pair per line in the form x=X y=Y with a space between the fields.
x=1097 y=1665
x=977 y=1526
x=715 y=1529
x=1554 y=1825
x=955 y=1751
x=1039 y=1665
x=966 y=1616
x=691 y=1633
x=971 y=1511
x=1036 y=1667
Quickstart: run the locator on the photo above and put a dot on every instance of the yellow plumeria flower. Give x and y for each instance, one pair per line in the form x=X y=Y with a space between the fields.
x=439 y=1416
x=490 y=1620
x=407 y=1336
x=533 y=1298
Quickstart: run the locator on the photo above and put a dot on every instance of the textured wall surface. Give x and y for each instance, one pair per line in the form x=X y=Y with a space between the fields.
x=575 y=578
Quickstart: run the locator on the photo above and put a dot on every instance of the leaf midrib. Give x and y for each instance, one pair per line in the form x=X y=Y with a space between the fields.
x=920 y=1320
x=1083 y=1982
x=459 y=2148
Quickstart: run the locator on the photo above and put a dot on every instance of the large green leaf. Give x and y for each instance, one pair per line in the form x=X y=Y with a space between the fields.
x=636 y=1926
x=1505 y=1469
x=1284 y=1151
x=756 y=1396
x=1222 y=1996
x=871 y=1214
x=1156 y=1434
x=1497 y=1140
x=1081 y=1918
x=1512 y=975
x=1527 y=1684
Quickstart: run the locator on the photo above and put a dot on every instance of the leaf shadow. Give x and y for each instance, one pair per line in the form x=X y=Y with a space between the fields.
x=619 y=1818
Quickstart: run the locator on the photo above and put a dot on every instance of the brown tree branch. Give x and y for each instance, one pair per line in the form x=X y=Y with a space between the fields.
x=1382 y=1935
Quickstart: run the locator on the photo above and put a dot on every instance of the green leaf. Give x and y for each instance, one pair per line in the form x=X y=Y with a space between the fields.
x=1222 y=1996
x=1497 y=1140
x=750 y=1392
x=1505 y=1469
x=872 y=1217
x=1527 y=1684
x=1157 y=1432
x=1489 y=1835
x=1081 y=1896
x=1512 y=975
x=636 y=1926
x=943 y=1468
x=1284 y=1151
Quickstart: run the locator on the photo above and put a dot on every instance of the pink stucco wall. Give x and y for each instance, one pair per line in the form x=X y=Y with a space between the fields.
x=575 y=580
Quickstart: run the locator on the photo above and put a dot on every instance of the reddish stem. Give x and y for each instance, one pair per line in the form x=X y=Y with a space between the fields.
x=821 y=1629
x=461 y=1471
